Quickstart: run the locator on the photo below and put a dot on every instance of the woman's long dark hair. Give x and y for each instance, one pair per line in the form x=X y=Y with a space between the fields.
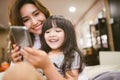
x=69 y=45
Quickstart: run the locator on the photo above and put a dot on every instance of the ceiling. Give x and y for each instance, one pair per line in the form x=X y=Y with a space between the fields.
x=61 y=7
x=57 y=7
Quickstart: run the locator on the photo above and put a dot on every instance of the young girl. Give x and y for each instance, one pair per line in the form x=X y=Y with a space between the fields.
x=59 y=41
x=59 y=57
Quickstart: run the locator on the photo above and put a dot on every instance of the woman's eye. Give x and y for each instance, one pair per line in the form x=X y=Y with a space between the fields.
x=36 y=14
x=25 y=20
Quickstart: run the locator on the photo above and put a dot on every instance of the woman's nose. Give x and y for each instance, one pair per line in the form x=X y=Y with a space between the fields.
x=34 y=21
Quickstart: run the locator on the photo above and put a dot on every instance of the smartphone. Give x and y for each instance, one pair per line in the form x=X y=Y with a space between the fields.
x=21 y=36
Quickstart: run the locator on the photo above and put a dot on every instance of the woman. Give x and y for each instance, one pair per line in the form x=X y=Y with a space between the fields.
x=29 y=13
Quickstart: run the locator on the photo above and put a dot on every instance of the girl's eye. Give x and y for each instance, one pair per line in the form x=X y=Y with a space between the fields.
x=47 y=31
x=58 y=30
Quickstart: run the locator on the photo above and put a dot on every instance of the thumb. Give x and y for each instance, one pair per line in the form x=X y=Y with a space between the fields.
x=68 y=76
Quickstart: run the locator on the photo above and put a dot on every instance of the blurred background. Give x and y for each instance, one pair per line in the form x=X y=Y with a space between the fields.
x=97 y=25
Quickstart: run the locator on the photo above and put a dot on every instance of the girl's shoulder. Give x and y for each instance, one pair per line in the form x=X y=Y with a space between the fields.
x=76 y=60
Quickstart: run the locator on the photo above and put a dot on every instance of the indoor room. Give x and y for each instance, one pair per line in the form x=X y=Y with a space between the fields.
x=97 y=28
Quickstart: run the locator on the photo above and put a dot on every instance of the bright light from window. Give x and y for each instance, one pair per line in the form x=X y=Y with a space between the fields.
x=72 y=9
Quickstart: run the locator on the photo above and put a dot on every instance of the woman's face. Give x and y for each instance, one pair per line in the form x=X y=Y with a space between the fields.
x=32 y=18
x=54 y=37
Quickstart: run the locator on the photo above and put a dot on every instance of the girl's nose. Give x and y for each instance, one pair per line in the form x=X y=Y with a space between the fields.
x=52 y=33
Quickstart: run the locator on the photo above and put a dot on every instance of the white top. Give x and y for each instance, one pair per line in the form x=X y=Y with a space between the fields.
x=58 y=62
x=37 y=43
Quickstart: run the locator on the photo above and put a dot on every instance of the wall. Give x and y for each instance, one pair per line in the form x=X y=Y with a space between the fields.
x=114 y=6
x=83 y=27
x=3 y=42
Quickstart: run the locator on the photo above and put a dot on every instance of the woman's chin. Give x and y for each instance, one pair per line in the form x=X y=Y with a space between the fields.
x=36 y=32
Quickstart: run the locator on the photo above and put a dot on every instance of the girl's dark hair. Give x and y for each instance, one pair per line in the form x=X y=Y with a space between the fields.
x=14 y=11
x=69 y=45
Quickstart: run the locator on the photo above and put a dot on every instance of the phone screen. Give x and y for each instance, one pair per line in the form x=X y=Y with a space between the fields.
x=21 y=36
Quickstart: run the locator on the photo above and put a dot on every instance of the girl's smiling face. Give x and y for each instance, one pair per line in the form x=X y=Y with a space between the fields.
x=54 y=37
x=32 y=18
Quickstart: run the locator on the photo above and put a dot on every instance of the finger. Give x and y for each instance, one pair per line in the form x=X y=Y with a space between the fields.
x=25 y=54
x=35 y=52
x=17 y=48
x=31 y=50
x=17 y=59
x=68 y=76
x=14 y=45
x=29 y=57
x=14 y=55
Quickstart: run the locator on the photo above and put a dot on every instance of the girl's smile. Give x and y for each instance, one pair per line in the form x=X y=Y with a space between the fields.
x=54 y=37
